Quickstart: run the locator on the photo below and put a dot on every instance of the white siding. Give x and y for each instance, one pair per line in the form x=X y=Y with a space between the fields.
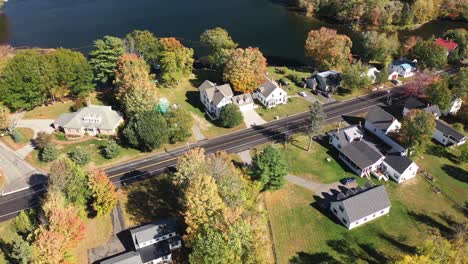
x=343 y=217
x=409 y=173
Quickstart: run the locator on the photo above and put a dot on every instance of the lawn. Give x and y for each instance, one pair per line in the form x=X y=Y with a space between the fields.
x=278 y=73
x=345 y=94
x=26 y=133
x=52 y=111
x=98 y=231
x=295 y=105
x=303 y=230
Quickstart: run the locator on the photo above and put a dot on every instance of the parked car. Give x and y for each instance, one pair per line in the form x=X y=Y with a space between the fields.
x=303 y=94
x=347 y=181
x=396 y=82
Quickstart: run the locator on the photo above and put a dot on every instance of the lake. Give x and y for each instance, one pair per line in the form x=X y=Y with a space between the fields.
x=279 y=33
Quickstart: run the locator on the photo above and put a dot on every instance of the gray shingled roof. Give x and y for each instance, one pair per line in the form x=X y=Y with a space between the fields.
x=361 y=154
x=366 y=203
x=153 y=230
x=434 y=110
x=242 y=99
x=268 y=87
x=380 y=118
x=347 y=133
x=216 y=93
x=414 y=103
x=448 y=130
x=108 y=118
x=398 y=163
x=131 y=257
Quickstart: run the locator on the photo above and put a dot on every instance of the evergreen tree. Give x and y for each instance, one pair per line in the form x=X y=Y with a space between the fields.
x=104 y=57
x=49 y=153
x=315 y=121
x=147 y=131
x=110 y=150
x=21 y=251
x=80 y=156
x=270 y=168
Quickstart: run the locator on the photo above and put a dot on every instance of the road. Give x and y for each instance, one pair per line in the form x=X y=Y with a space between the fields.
x=126 y=173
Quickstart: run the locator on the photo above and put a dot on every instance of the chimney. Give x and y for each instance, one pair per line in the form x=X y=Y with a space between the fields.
x=359 y=123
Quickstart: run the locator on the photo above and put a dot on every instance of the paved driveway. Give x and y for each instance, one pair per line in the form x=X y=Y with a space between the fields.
x=37 y=125
x=252 y=118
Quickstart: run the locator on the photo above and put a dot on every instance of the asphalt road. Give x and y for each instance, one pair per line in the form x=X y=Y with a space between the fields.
x=126 y=173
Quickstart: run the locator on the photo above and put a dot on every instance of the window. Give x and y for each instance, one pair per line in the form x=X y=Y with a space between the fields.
x=365 y=219
x=341 y=208
x=334 y=211
x=357 y=222
x=344 y=220
x=381 y=212
x=373 y=215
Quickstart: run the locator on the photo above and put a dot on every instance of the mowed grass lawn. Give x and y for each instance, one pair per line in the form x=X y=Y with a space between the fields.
x=301 y=228
x=27 y=135
x=294 y=106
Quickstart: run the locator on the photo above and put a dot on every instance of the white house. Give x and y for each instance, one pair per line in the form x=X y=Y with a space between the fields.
x=328 y=81
x=372 y=73
x=403 y=67
x=414 y=103
x=399 y=168
x=356 y=152
x=382 y=124
x=244 y=101
x=270 y=94
x=360 y=205
x=215 y=97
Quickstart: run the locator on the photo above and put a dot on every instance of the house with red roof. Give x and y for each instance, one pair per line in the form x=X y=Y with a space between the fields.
x=449 y=45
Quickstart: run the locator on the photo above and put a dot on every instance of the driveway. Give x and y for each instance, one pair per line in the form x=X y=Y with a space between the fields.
x=252 y=118
x=37 y=125
x=19 y=174
x=310 y=98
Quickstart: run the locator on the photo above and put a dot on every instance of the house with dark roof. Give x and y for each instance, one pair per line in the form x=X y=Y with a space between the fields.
x=215 y=97
x=354 y=151
x=399 y=168
x=328 y=81
x=360 y=205
x=152 y=243
x=444 y=133
x=405 y=68
x=382 y=124
x=269 y=94
x=92 y=120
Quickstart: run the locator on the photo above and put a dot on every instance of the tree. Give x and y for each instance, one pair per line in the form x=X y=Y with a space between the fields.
x=416 y=131
x=25 y=221
x=104 y=57
x=463 y=157
x=202 y=203
x=63 y=219
x=80 y=156
x=179 y=122
x=408 y=45
x=176 y=61
x=269 y=168
x=21 y=251
x=68 y=177
x=103 y=192
x=458 y=83
x=425 y=10
x=220 y=44
x=355 y=77
x=382 y=76
x=42 y=139
x=429 y=55
x=460 y=36
x=210 y=247
x=49 y=153
x=418 y=86
x=72 y=72
x=49 y=248
x=110 y=150
x=4 y=117
x=230 y=116
x=147 y=132
x=380 y=46
x=439 y=94
x=329 y=49
x=136 y=90
x=189 y=166
x=315 y=122
x=245 y=69
x=24 y=80
x=145 y=44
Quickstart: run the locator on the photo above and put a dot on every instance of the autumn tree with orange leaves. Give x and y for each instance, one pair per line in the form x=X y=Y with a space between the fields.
x=103 y=192
x=246 y=69
x=176 y=61
x=328 y=48
x=136 y=90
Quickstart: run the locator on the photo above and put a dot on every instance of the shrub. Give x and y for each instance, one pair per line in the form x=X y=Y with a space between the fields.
x=16 y=136
x=230 y=116
x=110 y=150
x=79 y=103
x=79 y=155
x=25 y=221
x=103 y=136
x=42 y=139
x=60 y=136
x=49 y=153
x=459 y=127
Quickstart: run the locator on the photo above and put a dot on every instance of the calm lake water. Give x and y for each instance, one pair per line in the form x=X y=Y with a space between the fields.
x=279 y=33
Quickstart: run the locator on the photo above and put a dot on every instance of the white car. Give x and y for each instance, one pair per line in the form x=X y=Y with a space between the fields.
x=303 y=94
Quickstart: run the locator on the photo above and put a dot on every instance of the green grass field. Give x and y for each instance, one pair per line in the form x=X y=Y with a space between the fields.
x=27 y=135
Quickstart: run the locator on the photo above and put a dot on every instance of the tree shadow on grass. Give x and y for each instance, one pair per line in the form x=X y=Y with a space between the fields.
x=306 y=258
x=456 y=172
x=433 y=223
x=441 y=151
x=363 y=251
x=400 y=245
x=153 y=199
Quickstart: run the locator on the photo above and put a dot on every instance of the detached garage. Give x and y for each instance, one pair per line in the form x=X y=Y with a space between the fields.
x=244 y=101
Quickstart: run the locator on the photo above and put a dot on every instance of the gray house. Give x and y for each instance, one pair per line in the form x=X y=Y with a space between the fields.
x=152 y=243
x=360 y=205
x=92 y=120
x=328 y=81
